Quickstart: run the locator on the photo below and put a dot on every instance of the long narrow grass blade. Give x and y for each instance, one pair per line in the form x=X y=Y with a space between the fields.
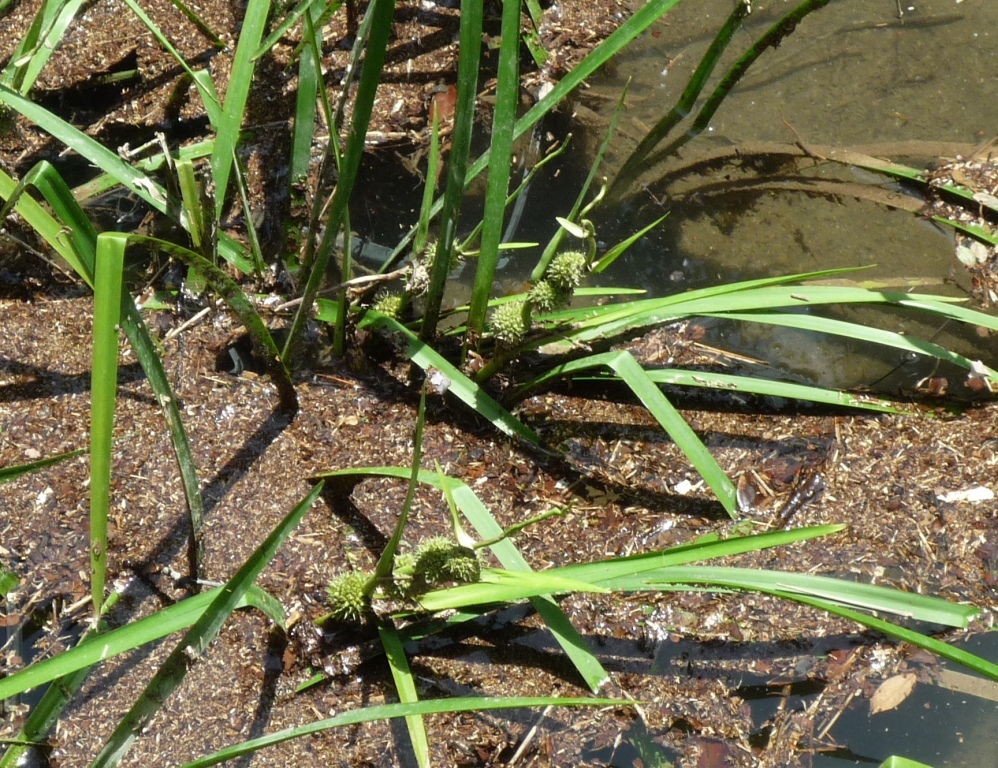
x=770 y=388
x=466 y=245
x=357 y=52
x=634 y=26
x=381 y=12
x=849 y=330
x=154 y=162
x=469 y=53
x=430 y=187
x=634 y=575
x=600 y=323
x=305 y=98
x=202 y=81
x=240 y=77
x=628 y=369
x=78 y=246
x=504 y=587
x=24 y=78
x=145 y=351
x=289 y=21
x=944 y=650
x=198 y=22
x=531 y=36
x=630 y=572
x=9 y=473
x=255 y=252
x=103 y=390
x=109 y=162
x=618 y=250
x=190 y=196
x=463 y=388
x=80 y=252
x=386 y=711
x=850 y=594
x=608 y=570
x=386 y=561
x=507 y=99
x=134 y=635
x=40 y=220
x=406 y=687
x=197 y=638
x=94 y=152
x=574 y=645
x=14 y=71
x=75 y=237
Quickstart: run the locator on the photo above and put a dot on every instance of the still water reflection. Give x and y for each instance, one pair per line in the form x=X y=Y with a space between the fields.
x=854 y=73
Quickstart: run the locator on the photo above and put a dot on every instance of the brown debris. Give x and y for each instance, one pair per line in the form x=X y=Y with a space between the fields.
x=686 y=655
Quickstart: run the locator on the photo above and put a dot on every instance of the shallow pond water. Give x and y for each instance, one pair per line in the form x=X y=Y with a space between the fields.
x=852 y=74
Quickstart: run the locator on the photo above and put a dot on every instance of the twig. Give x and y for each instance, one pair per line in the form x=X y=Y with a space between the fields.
x=187 y=324
x=352 y=283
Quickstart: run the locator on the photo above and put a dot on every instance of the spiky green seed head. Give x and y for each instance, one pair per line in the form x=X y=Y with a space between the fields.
x=566 y=270
x=431 y=559
x=428 y=251
x=390 y=303
x=463 y=566
x=347 y=601
x=404 y=562
x=441 y=559
x=547 y=298
x=510 y=322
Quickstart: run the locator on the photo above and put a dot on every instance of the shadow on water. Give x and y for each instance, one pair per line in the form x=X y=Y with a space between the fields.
x=853 y=73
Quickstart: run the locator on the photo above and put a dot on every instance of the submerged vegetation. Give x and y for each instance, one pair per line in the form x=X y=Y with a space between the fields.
x=489 y=354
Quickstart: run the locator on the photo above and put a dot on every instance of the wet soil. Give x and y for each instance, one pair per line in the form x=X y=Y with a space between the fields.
x=721 y=679
x=697 y=662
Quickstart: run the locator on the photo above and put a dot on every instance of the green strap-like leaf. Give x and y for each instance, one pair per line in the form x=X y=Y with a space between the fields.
x=103 y=390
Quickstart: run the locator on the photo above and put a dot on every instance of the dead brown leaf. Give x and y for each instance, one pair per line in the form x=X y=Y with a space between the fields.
x=892 y=692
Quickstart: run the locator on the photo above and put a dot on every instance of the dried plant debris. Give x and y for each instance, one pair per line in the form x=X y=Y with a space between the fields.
x=978 y=174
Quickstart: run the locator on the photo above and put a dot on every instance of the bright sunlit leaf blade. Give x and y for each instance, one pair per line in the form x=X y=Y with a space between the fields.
x=405 y=685
x=768 y=387
x=125 y=174
x=941 y=649
x=499 y=586
x=849 y=330
x=869 y=597
x=647 y=391
x=10 y=473
x=463 y=388
x=386 y=711
x=229 y=119
x=122 y=639
x=103 y=390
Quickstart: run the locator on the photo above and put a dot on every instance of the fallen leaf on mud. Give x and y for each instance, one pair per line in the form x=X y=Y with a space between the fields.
x=977 y=493
x=892 y=692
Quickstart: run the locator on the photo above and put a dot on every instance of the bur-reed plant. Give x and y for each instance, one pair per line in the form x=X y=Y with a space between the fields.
x=547 y=321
